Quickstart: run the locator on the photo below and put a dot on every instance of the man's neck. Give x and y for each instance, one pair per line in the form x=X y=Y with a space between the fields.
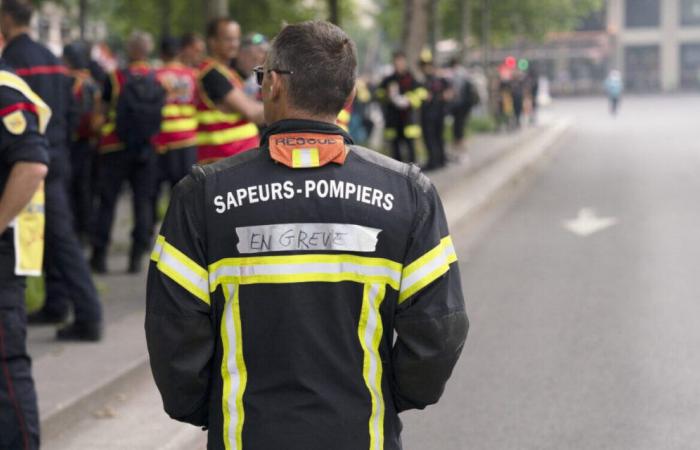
x=222 y=61
x=296 y=114
x=16 y=32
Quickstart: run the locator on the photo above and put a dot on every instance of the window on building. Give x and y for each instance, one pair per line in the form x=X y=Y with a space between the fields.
x=690 y=66
x=642 y=13
x=642 y=68
x=690 y=12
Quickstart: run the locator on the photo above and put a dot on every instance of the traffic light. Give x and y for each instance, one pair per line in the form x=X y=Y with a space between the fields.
x=523 y=64
x=511 y=62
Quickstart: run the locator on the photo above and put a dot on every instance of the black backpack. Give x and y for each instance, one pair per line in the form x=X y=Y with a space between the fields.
x=139 y=110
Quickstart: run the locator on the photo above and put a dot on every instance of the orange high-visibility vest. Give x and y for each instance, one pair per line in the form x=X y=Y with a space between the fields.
x=179 y=125
x=221 y=134
x=109 y=141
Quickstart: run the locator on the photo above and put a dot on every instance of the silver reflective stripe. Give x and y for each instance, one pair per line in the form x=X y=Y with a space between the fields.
x=373 y=377
x=441 y=259
x=300 y=269
x=198 y=282
x=232 y=373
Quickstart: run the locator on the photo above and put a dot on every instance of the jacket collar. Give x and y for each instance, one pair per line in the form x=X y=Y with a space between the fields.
x=304 y=126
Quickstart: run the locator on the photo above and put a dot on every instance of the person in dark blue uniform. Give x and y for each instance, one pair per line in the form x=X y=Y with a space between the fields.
x=68 y=277
x=23 y=165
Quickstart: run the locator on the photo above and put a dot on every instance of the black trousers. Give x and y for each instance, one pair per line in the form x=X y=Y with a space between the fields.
x=174 y=165
x=399 y=142
x=460 y=114
x=138 y=168
x=68 y=278
x=19 y=415
x=81 y=186
x=433 y=125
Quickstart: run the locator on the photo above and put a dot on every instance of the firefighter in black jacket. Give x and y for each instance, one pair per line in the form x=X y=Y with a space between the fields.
x=68 y=279
x=401 y=96
x=23 y=166
x=280 y=276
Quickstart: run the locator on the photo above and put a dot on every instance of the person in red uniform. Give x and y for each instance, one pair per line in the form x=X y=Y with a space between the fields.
x=68 y=279
x=23 y=160
x=120 y=163
x=176 y=143
x=227 y=117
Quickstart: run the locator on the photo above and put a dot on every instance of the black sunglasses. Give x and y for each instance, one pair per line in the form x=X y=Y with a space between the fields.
x=260 y=72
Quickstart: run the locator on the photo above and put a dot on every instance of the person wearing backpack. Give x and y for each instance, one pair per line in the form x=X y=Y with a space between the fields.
x=135 y=101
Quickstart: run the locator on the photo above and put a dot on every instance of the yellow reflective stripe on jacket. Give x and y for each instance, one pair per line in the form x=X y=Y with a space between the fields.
x=11 y=80
x=215 y=116
x=181 y=269
x=304 y=269
x=233 y=369
x=179 y=111
x=108 y=128
x=417 y=96
x=370 y=331
x=427 y=268
x=172 y=126
x=412 y=131
x=344 y=116
x=220 y=137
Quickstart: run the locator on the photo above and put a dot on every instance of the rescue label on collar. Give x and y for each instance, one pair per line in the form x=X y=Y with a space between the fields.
x=294 y=237
x=307 y=150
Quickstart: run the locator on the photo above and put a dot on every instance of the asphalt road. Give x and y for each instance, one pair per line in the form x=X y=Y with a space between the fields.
x=585 y=342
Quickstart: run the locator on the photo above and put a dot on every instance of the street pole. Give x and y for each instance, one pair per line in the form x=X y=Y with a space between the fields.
x=464 y=28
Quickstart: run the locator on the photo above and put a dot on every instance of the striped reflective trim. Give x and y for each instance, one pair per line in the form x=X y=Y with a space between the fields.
x=304 y=269
x=225 y=136
x=233 y=370
x=181 y=269
x=175 y=125
x=370 y=332
x=412 y=131
x=426 y=269
x=390 y=133
x=214 y=116
x=11 y=80
x=108 y=128
x=179 y=110
x=305 y=157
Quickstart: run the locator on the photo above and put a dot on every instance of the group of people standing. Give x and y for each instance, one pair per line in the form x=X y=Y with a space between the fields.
x=416 y=107
x=74 y=134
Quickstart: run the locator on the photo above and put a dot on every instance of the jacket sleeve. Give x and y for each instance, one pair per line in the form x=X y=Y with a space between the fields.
x=431 y=323
x=179 y=330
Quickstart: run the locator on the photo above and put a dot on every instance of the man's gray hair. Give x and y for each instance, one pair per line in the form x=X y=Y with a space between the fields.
x=324 y=61
x=140 y=44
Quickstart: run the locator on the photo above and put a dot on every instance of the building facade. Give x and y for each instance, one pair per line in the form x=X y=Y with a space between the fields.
x=656 y=43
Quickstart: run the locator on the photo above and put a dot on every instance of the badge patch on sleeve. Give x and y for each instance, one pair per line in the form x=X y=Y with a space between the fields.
x=15 y=122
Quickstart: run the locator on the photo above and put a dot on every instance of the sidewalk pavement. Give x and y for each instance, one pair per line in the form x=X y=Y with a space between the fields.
x=101 y=396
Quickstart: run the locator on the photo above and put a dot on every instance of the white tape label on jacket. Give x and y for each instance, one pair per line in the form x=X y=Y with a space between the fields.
x=295 y=237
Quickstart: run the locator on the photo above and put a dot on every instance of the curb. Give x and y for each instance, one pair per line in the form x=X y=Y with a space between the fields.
x=465 y=198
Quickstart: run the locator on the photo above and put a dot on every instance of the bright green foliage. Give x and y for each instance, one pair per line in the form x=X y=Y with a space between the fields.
x=513 y=18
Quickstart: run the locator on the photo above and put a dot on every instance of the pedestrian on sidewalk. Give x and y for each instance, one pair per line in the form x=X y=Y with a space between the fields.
x=432 y=113
x=68 y=280
x=281 y=276
x=401 y=96
x=613 y=88
x=464 y=99
x=131 y=96
x=24 y=159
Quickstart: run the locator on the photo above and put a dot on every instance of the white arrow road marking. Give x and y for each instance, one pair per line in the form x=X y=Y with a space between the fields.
x=588 y=223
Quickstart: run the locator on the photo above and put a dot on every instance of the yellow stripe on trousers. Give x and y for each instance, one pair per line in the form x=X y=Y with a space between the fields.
x=233 y=370
x=370 y=332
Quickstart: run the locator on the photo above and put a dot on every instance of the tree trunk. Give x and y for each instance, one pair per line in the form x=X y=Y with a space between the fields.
x=166 y=17
x=464 y=28
x=415 y=31
x=82 y=17
x=216 y=8
x=334 y=11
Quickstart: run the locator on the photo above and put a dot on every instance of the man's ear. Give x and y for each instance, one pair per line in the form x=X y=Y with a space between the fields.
x=351 y=98
x=277 y=87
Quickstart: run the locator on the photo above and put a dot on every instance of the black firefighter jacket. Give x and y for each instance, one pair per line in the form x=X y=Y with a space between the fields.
x=302 y=294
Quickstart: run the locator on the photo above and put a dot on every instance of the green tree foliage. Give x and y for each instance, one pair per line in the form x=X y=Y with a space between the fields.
x=515 y=18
